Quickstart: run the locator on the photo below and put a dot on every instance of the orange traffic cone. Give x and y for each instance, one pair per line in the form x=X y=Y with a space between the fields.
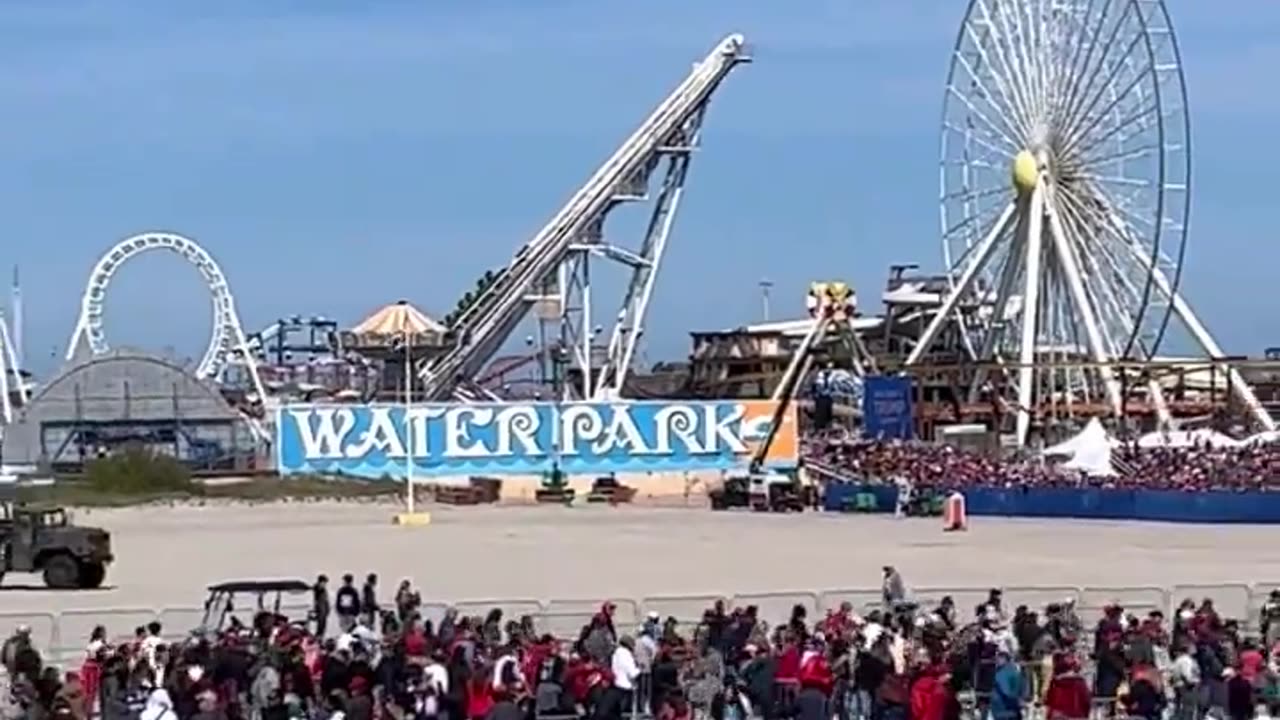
x=954 y=517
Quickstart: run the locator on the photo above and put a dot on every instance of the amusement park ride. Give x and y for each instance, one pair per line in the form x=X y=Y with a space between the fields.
x=557 y=261
x=13 y=382
x=1065 y=195
x=1083 y=107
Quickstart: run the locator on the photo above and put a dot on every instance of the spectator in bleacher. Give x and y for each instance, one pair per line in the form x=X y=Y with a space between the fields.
x=934 y=468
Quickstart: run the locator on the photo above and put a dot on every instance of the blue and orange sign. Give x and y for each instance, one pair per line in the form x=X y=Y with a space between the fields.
x=375 y=441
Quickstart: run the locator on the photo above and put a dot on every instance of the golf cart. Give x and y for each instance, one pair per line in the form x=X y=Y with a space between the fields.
x=289 y=598
x=44 y=540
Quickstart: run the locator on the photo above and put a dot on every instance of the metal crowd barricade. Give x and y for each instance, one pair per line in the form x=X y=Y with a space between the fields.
x=684 y=608
x=76 y=626
x=861 y=599
x=1128 y=596
x=776 y=607
x=65 y=634
x=44 y=627
x=511 y=609
x=626 y=612
x=1231 y=599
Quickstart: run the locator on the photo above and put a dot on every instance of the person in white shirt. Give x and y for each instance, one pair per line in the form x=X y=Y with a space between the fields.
x=625 y=673
x=645 y=653
x=435 y=675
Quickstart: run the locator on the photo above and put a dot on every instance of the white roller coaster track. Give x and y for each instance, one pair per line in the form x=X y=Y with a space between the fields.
x=227 y=340
x=9 y=364
x=670 y=133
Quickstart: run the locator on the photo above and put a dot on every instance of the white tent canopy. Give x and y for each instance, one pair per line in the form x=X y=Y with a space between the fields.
x=1089 y=451
x=1093 y=435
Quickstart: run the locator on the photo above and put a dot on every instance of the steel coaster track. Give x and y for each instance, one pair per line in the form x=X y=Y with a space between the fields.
x=481 y=328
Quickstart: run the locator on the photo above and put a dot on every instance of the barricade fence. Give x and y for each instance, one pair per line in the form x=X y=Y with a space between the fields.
x=1209 y=506
x=63 y=635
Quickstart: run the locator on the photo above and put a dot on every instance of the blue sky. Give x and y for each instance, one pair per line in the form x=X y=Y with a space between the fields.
x=335 y=156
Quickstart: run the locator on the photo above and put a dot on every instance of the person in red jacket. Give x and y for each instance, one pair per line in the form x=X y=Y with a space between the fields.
x=815 y=672
x=929 y=695
x=1068 y=696
x=788 y=661
x=479 y=695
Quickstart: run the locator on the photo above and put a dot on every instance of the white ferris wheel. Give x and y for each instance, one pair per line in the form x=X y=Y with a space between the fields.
x=1065 y=188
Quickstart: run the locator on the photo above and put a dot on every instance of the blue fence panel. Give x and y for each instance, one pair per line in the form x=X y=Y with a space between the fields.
x=1209 y=507
x=1089 y=503
x=886 y=407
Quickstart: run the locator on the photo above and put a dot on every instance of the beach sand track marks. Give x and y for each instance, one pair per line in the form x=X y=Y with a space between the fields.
x=166 y=555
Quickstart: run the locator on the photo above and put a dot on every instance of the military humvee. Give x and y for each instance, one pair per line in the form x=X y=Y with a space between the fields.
x=43 y=539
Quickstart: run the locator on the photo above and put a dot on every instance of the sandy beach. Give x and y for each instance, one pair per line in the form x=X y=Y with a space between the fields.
x=574 y=557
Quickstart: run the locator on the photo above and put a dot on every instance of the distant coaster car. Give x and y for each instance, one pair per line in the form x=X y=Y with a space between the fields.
x=835 y=300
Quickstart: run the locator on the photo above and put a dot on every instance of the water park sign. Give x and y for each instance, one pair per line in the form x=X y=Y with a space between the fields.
x=375 y=441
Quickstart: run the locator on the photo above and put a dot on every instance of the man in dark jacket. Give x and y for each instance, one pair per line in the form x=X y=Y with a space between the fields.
x=346 y=603
x=369 y=601
x=320 y=604
x=758 y=677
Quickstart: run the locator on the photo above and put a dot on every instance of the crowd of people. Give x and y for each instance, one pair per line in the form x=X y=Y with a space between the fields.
x=1194 y=468
x=354 y=658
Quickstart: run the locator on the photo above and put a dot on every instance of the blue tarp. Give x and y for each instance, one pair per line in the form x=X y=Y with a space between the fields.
x=1092 y=503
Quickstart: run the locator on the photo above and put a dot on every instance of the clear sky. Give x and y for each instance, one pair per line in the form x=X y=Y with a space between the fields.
x=335 y=156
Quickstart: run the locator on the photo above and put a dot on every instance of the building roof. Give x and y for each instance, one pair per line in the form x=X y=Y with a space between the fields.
x=794 y=328
x=397 y=319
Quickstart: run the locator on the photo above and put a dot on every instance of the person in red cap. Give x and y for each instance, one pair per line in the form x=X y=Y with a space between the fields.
x=359 y=702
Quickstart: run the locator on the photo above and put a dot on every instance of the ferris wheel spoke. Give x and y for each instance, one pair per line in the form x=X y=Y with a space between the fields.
x=1144 y=118
x=1009 y=91
x=1136 y=307
x=1073 y=35
x=1082 y=144
x=1081 y=75
x=975 y=250
x=1084 y=109
x=1095 y=238
x=987 y=165
x=1017 y=37
x=998 y=131
x=1117 y=180
x=1084 y=307
x=1018 y=117
x=1134 y=153
x=1015 y=79
x=977 y=140
x=1041 y=52
x=1077 y=128
x=1010 y=267
x=1097 y=65
x=1116 y=211
x=970 y=194
x=1102 y=153
x=1108 y=282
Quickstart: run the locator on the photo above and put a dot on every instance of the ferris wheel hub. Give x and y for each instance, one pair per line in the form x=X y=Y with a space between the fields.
x=1026 y=171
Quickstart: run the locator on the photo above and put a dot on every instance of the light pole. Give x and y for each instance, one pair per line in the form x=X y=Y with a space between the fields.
x=765 y=286
x=408 y=429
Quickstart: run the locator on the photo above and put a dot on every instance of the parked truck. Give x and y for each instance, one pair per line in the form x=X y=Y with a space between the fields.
x=43 y=540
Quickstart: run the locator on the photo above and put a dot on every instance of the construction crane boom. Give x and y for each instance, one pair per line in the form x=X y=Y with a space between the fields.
x=484 y=324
